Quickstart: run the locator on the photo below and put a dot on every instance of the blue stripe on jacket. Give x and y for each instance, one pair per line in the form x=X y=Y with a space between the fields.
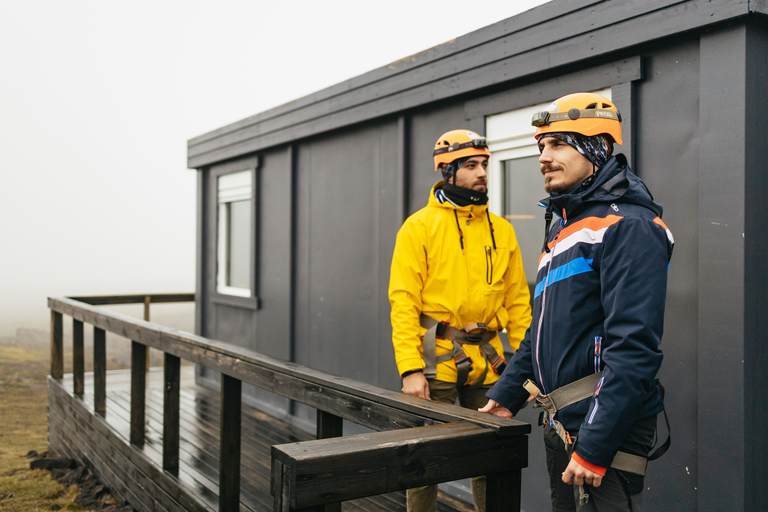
x=570 y=269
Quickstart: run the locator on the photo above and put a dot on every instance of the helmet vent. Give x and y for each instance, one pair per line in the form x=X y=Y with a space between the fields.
x=592 y=105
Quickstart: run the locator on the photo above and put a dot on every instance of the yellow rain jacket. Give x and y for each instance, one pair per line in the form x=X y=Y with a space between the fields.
x=431 y=275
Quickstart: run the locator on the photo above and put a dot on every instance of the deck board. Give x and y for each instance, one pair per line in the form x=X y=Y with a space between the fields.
x=199 y=444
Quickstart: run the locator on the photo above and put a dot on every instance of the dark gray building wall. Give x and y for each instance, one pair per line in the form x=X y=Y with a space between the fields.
x=332 y=194
x=667 y=153
x=755 y=275
x=347 y=214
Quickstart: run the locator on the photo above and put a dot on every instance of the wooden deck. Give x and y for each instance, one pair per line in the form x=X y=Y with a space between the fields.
x=103 y=444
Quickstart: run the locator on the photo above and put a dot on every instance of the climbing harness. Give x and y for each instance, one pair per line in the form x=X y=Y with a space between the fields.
x=575 y=392
x=472 y=334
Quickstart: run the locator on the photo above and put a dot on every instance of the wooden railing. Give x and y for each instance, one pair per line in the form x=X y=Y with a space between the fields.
x=417 y=442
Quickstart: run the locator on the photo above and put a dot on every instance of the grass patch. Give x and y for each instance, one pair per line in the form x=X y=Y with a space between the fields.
x=23 y=428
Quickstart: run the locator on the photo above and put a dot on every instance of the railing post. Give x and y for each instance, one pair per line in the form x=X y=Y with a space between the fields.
x=503 y=491
x=328 y=426
x=171 y=414
x=229 y=455
x=57 y=345
x=99 y=371
x=138 y=392
x=147 y=301
x=78 y=358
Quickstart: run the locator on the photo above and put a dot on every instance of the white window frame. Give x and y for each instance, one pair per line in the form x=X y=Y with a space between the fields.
x=510 y=136
x=231 y=187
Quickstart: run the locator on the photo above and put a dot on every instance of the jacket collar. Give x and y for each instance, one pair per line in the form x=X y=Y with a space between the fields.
x=433 y=201
x=615 y=181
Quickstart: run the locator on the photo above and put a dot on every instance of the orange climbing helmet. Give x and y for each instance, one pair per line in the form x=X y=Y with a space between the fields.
x=459 y=144
x=586 y=113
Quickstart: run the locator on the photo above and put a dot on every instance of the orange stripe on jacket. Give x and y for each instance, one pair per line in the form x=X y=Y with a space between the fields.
x=590 y=223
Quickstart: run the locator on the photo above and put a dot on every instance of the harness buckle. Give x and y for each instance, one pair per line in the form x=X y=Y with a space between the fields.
x=440 y=329
x=497 y=362
x=461 y=357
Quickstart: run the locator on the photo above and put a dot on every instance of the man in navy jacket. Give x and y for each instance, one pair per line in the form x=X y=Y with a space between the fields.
x=598 y=312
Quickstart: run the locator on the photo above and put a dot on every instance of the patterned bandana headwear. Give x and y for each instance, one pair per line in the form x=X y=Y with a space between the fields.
x=596 y=149
x=449 y=169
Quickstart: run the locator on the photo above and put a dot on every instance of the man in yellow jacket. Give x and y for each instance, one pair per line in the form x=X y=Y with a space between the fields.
x=457 y=279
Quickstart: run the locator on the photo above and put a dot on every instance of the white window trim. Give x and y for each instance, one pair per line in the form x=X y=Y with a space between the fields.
x=232 y=187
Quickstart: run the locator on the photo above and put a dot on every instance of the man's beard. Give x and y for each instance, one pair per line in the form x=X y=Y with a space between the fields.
x=548 y=188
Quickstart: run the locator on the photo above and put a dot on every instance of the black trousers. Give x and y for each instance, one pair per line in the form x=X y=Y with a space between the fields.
x=619 y=491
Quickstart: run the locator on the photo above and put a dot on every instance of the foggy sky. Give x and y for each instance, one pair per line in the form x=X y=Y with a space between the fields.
x=98 y=99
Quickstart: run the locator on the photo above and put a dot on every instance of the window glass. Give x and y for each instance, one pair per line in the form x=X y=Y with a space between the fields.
x=235 y=231
x=524 y=186
x=239 y=242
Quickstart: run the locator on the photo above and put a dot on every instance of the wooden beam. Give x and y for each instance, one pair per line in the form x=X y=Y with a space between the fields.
x=329 y=425
x=344 y=468
x=138 y=392
x=171 y=414
x=229 y=457
x=57 y=345
x=99 y=371
x=365 y=404
x=101 y=300
x=503 y=491
x=78 y=357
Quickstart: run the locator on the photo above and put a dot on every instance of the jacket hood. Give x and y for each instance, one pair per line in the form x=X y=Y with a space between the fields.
x=615 y=180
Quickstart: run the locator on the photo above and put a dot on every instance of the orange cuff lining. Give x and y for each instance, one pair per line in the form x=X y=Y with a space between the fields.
x=600 y=470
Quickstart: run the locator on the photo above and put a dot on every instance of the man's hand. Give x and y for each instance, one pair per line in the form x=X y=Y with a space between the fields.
x=416 y=384
x=577 y=474
x=493 y=407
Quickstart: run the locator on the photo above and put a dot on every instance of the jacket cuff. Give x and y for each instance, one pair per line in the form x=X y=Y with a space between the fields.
x=600 y=470
x=409 y=372
x=410 y=364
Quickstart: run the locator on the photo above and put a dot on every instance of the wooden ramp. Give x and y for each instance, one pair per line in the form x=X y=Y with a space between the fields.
x=135 y=473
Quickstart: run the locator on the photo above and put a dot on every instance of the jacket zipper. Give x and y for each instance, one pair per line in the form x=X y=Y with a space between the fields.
x=543 y=303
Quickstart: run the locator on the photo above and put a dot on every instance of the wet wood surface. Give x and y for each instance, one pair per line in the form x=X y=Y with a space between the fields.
x=198 y=444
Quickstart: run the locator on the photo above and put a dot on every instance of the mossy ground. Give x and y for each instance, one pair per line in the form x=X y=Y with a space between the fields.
x=24 y=367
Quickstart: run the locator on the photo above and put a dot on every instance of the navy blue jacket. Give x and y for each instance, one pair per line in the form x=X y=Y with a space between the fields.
x=598 y=305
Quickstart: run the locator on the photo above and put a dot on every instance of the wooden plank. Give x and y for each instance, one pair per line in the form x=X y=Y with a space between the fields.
x=368 y=405
x=57 y=345
x=339 y=469
x=99 y=371
x=124 y=469
x=78 y=357
x=135 y=459
x=229 y=457
x=199 y=451
x=138 y=391
x=171 y=414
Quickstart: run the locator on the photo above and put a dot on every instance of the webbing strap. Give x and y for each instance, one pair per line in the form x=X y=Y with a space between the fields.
x=459 y=337
x=577 y=391
x=574 y=392
x=430 y=346
x=630 y=463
